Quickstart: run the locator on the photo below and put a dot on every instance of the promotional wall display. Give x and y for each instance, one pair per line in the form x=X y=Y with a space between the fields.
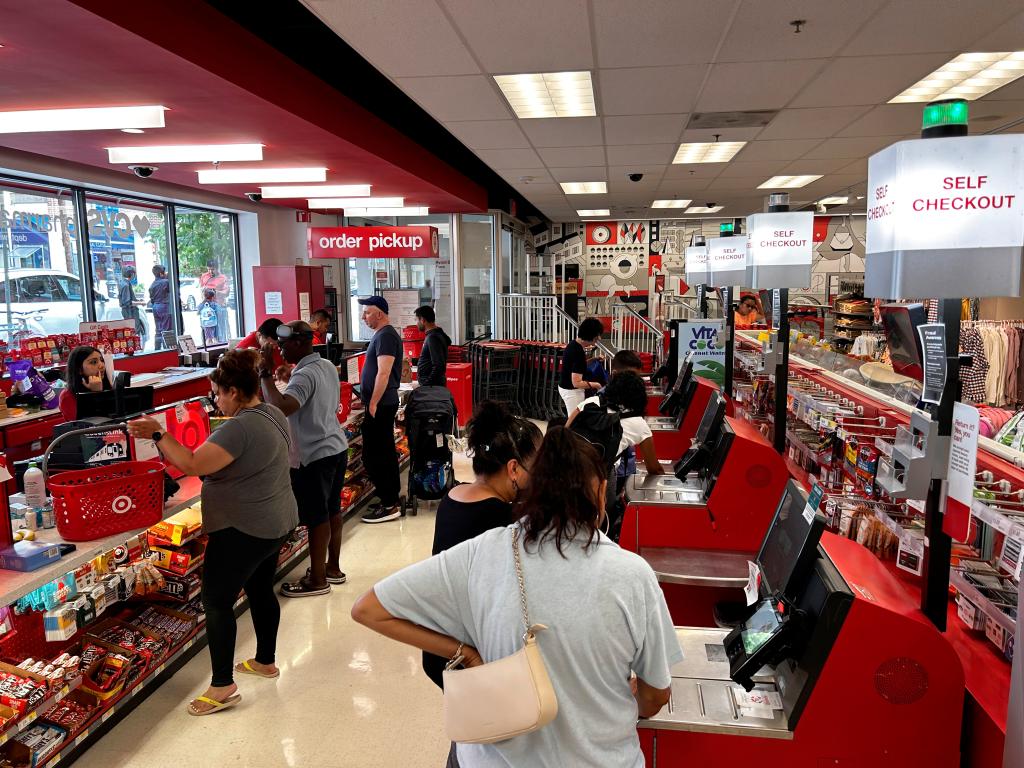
x=697 y=265
x=415 y=242
x=945 y=218
x=727 y=261
x=701 y=338
x=780 y=247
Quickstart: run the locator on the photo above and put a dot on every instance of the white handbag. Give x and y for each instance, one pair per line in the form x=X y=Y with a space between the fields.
x=503 y=698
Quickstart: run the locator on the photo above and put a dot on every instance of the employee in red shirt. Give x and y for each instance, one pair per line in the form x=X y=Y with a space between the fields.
x=86 y=372
x=320 y=321
x=266 y=334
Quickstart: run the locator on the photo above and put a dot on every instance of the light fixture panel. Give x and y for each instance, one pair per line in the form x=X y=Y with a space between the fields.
x=584 y=187
x=549 y=94
x=186 y=153
x=407 y=211
x=704 y=209
x=320 y=191
x=356 y=202
x=788 y=182
x=707 y=152
x=671 y=203
x=261 y=176
x=595 y=212
x=82 y=119
x=968 y=76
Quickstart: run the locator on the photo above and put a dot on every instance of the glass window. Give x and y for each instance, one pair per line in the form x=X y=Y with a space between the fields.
x=37 y=245
x=477 y=250
x=127 y=241
x=207 y=274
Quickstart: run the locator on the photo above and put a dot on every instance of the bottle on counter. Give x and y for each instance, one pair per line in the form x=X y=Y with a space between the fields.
x=35 y=487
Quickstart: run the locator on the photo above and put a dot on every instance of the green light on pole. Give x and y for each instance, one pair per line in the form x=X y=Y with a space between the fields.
x=943 y=113
x=726 y=228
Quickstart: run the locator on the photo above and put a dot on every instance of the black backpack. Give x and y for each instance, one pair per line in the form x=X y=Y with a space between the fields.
x=601 y=429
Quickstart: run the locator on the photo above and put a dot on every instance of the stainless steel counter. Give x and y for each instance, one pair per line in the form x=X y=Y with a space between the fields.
x=665 y=489
x=698 y=567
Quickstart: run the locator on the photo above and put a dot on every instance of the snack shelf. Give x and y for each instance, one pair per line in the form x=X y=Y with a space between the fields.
x=20 y=724
x=914 y=544
x=997 y=520
x=982 y=603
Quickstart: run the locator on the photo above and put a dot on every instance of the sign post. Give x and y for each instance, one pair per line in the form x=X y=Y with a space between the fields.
x=727 y=265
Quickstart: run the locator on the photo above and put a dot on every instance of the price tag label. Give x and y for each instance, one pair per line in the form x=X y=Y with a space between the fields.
x=81 y=738
x=752 y=589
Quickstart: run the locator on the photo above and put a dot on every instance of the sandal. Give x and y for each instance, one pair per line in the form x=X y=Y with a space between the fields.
x=246 y=668
x=302 y=588
x=330 y=579
x=215 y=706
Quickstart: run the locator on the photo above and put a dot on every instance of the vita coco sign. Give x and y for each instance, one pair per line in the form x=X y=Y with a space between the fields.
x=727 y=261
x=697 y=265
x=418 y=242
x=780 y=247
x=945 y=218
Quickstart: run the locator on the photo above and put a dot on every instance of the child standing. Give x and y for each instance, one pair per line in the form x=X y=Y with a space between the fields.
x=208 y=316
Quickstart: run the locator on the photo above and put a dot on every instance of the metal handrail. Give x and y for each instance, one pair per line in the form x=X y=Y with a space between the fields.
x=630 y=330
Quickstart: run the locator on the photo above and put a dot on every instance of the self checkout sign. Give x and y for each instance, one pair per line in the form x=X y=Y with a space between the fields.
x=945 y=218
x=780 y=247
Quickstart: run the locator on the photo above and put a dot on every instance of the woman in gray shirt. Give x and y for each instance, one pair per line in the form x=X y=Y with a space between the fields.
x=609 y=643
x=248 y=512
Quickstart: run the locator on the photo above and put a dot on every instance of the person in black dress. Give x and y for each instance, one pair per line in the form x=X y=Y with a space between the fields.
x=160 y=302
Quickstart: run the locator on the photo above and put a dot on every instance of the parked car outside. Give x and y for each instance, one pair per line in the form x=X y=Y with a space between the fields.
x=48 y=301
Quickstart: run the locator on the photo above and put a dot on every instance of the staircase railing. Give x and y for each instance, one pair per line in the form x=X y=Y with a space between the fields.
x=631 y=330
x=538 y=318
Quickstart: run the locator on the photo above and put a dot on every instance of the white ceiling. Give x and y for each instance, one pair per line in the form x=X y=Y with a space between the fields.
x=655 y=62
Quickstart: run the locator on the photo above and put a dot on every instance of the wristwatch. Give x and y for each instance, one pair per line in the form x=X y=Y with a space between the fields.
x=157 y=436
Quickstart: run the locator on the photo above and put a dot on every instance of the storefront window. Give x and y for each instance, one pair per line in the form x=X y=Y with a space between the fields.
x=42 y=292
x=207 y=261
x=477 y=250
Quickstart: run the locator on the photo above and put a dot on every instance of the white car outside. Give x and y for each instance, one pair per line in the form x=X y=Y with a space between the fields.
x=48 y=301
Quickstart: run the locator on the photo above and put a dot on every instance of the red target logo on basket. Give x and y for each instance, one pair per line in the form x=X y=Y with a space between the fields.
x=122 y=505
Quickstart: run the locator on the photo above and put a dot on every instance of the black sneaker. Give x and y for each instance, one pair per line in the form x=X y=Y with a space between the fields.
x=383 y=514
x=302 y=588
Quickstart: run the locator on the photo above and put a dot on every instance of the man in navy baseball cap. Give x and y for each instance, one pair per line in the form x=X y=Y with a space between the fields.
x=375 y=301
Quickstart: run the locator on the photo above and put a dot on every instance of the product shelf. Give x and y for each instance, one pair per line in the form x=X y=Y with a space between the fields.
x=993 y=517
x=19 y=725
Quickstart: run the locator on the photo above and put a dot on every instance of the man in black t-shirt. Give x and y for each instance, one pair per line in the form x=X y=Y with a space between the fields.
x=575 y=384
x=378 y=386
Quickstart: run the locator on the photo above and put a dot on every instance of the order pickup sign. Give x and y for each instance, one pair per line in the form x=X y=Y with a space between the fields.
x=945 y=218
x=416 y=242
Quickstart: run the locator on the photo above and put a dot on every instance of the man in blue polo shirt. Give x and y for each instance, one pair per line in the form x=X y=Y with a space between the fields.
x=378 y=388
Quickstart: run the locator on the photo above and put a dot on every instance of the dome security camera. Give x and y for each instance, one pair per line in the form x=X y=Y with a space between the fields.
x=254 y=196
x=634 y=177
x=143 y=171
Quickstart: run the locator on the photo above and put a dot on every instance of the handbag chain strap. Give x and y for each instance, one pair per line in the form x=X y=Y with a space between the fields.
x=522 y=584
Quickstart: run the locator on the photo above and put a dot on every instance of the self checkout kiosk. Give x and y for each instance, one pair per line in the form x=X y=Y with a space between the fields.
x=679 y=412
x=832 y=665
x=707 y=516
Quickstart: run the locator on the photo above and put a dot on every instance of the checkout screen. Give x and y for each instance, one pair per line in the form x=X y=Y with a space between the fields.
x=760 y=628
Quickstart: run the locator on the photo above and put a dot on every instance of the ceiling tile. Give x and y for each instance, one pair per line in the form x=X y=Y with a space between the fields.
x=642 y=153
x=430 y=46
x=856 y=168
x=512 y=175
x=655 y=32
x=595 y=173
x=509 y=158
x=649 y=90
x=776 y=149
x=724 y=134
x=761 y=31
x=811 y=123
x=748 y=183
x=756 y=85
x=643 y=129
x=850 y=147
x=647 y=184
x=686 y=188
x=1005 y=37
x=544 y=192
x=922 y=26
x=867 y=79
x=819 y=166
x=886 y=120
x=695 y=171
x=564 y=131
x=489 y=134
x=567 y=157
x=504 y=44
x=457 y=98
x=764 y=168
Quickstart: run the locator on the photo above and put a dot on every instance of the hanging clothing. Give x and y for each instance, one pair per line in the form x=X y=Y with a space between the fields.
x=973 y=378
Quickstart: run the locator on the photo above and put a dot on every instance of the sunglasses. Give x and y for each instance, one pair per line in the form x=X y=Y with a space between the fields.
x=284 y=333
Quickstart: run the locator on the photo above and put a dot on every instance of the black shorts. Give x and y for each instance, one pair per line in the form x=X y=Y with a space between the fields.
x=317 y=488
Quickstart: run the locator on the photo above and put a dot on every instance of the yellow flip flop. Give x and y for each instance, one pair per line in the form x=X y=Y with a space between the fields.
x=216 y=706
x=245 y=668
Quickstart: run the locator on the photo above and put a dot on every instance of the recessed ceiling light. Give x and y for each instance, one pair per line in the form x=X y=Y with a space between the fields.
x=414 y=211
x=969 y=76
x=549 y=94
x=595 y=212
x=132 y=130
x=834 y=200
x=86 y=119
x=261 y=176
x=707 y=152
x=357 y=202
x=186 y=153
x=670 y=203
x=788 y=182
x=704 y=209
x=584 y=187
x=310 y=190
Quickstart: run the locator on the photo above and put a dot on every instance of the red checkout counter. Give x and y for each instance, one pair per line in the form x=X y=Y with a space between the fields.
x=679 y=413
x=698 y=527
x=833 y=666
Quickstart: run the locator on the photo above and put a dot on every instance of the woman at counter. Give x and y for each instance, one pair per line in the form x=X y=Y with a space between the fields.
x=248 y=512
x=86 y=372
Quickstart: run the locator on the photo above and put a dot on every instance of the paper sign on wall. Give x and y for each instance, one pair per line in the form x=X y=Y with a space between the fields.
x=780 y=247
x=697 y=265
x=727 y=261
x=273 y=303
x=304 y=306
x=963 y=458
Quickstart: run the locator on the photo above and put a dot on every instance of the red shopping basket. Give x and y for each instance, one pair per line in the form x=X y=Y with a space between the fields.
x=94 y=503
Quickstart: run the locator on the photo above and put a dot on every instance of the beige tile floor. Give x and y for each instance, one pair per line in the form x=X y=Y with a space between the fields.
x=346 y=697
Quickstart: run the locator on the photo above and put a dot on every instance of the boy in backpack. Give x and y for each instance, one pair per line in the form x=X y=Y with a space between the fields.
x=208 y=316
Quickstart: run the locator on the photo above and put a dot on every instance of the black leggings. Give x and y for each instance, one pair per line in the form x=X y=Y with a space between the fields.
x=237 y=561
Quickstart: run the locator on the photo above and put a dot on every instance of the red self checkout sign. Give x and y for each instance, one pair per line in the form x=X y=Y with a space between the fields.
x=417 y=242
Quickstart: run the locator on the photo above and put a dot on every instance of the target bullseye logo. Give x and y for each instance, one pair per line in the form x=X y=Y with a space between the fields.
x=122 y=505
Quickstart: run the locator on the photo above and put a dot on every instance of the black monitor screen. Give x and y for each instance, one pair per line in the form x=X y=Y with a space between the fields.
x=900 y=322
x=711 y=420
x=134 y=400
x=673 y=402
x=791 y=544
x=685 y=374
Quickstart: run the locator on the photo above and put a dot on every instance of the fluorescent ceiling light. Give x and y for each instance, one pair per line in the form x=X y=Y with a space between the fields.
x=262 y=176
x=834 y=200
x=707 y=152
x=423 y=211
x=87 y=119
x=788 y=182
x=595 y=212
x=132 y=130
x=670 y=203
x=309 y=190
x=584 y=187
x=704 y=209
x=549 y=94
x=357 y=202
x=969 y=76
x=186 y=153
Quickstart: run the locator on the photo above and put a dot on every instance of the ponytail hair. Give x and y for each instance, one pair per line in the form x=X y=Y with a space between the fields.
x=495 y=437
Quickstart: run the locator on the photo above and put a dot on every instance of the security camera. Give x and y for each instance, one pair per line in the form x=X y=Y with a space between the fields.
x=254 y=196
x=143 y=171
x=635 y=176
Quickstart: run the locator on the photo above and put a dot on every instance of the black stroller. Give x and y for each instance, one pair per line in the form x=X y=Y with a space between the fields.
x=430 y=416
